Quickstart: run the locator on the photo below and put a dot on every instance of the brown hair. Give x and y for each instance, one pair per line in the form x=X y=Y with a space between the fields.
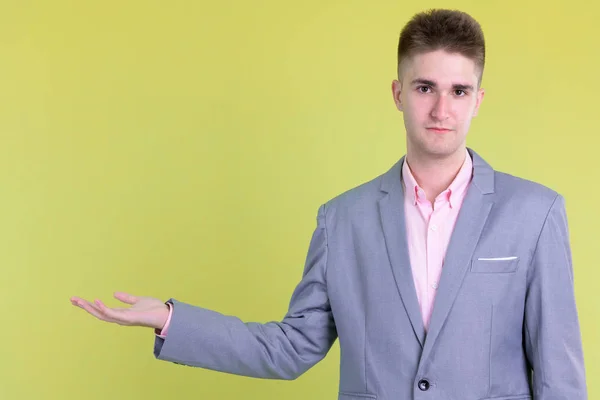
x=440 y=29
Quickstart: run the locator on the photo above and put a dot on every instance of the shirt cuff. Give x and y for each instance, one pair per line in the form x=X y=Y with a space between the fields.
x=163 y=333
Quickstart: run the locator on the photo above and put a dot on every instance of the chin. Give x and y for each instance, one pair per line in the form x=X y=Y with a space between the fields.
x=436 y=146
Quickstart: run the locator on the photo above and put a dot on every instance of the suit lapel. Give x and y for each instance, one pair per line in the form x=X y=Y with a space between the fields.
x=469 y=226
x=391 y=209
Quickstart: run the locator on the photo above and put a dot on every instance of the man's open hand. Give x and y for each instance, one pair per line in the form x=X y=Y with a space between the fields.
x=144 y=311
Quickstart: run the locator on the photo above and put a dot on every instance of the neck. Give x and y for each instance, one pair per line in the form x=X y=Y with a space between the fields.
x=434 y=175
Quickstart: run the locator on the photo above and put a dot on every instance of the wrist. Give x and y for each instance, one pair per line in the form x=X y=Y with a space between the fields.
x=165 y=318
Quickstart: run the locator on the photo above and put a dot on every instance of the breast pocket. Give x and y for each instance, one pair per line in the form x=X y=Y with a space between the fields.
x=494 y=265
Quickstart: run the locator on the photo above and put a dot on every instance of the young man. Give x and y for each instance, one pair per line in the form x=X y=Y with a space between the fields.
x=490 y=250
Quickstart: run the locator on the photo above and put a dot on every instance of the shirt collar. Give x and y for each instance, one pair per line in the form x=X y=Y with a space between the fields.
x=452 y=194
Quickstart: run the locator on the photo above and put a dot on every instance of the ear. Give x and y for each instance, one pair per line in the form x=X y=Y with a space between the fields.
x=396 y=92
x=480 y=94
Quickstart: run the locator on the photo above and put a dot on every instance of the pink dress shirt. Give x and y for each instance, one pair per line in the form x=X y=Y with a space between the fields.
x=428 y=228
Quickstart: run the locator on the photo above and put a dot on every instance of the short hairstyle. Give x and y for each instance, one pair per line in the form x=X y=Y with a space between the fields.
x=441 y=29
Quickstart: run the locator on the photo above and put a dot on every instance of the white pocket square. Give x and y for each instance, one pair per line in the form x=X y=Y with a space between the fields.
x=497 y=258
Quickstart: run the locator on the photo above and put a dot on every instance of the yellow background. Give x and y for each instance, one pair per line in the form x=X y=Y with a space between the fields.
x=182 y=149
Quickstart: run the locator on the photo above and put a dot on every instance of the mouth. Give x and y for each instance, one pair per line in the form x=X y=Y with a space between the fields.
x=439 y=130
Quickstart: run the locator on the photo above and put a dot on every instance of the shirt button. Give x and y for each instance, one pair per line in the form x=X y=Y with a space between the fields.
x=434 y=227
x=435 y=285
x=424 y=385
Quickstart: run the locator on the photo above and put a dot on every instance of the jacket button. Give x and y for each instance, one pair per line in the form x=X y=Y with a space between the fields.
x=424 y=385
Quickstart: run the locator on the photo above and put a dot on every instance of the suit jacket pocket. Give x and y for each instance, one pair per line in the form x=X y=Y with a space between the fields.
x=494 y=265
x=355 y=396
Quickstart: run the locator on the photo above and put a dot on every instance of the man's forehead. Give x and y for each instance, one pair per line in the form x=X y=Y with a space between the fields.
x=439 y=62
x=443 y=72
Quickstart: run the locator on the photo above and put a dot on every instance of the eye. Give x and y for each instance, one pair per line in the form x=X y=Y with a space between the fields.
x=460 y=92
x=423 y=89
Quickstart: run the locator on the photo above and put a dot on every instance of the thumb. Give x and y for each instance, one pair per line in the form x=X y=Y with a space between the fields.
x=126 y=297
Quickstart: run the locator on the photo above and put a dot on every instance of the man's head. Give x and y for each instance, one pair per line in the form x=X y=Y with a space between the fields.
x=441 y=57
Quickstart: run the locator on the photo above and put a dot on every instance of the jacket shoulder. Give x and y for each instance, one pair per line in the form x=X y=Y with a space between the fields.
x=356 y=198
x=515 y=186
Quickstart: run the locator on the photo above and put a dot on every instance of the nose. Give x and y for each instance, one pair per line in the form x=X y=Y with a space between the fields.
x=440 y=108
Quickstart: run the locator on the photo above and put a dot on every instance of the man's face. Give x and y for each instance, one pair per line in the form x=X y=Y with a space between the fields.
x=439 y=95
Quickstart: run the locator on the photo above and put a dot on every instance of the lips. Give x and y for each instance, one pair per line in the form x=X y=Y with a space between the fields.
x=439 y=130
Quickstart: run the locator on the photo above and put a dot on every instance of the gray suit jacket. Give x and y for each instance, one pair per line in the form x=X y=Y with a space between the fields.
x=504 y=324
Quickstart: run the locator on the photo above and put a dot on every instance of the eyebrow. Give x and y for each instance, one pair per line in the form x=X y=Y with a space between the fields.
x=456 y=86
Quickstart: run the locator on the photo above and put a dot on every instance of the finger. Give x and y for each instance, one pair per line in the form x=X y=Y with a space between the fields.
x=75 y=300
x=115 y=314
x=126 y=297
x=78 y=301
x=93 y=310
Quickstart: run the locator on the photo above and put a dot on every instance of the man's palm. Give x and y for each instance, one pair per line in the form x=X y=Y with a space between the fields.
x=144 y=311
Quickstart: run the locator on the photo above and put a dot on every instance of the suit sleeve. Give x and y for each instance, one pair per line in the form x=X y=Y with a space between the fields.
x=283 y=349
x=552 y=334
